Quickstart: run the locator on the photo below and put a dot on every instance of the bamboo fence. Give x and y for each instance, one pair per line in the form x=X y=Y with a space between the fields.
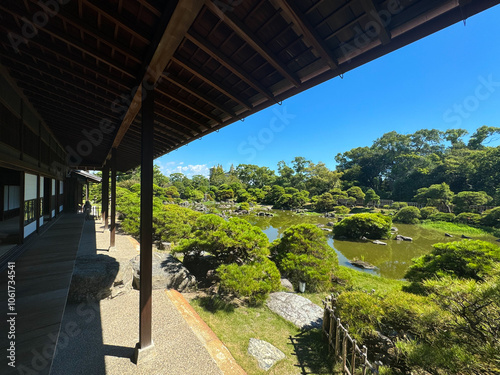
x=342 y=346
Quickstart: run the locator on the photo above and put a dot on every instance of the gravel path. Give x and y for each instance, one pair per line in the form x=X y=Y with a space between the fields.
x=99 y=338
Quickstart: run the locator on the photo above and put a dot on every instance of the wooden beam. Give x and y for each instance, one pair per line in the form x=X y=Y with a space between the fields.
x=75 y=43
x=94 y=33
x=192 y=107
x=226 y=61
x=210 y=81
x=150 y=7
x=245 y=33
x=55 y=69
x=94 y=69
x=300 y=20
x=188 y=117
x=200 y=95
x=117 y=19
x=54 y=78
x=373 y=14
x=112 y=232
x=166 y=114
x=146 y=241
x=105 y=195
x=176 y=26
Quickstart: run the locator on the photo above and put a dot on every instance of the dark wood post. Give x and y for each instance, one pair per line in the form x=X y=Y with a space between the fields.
x=37 y=204
x=87 y=190
x=112 y=232
x=21 y=207
x=105 y=195
x=145 y=340
x=56 y=197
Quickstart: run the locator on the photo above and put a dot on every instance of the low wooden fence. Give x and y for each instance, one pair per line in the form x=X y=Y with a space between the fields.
x=344 y=348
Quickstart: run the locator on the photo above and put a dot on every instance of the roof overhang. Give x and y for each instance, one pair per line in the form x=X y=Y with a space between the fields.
x=81 y=63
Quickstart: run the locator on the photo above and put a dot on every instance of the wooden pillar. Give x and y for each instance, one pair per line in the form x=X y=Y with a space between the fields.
x=56 y=209
x=146 y=239
x=37 y=208
x=112 y=232
x=21 y=207
x=87 y=190
x=105 y=195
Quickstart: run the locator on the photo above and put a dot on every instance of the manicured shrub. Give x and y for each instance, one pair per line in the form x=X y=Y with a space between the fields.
x=463 y=259
x=341 y=210
x=244 y=206
x=443 y=216
x=426 y=212
x=468 y=218
x=368 y=225
x=407 y=215
x=253 y=281
x=491 y=218
x=396 y=314
x=231 y=241
x=303 y=254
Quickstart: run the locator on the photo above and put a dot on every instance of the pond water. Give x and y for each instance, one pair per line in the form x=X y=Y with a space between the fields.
x=392 y=261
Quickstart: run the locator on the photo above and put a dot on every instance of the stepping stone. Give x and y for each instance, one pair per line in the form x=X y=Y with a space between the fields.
x=296 y=309
x=265 y=353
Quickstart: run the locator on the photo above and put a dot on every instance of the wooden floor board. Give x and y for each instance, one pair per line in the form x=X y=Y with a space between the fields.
x=43 y=276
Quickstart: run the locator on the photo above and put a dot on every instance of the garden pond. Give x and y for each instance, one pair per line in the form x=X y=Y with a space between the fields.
x=392 y=261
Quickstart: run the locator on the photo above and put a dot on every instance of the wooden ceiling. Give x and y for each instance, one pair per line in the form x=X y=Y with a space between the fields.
x=210 y=63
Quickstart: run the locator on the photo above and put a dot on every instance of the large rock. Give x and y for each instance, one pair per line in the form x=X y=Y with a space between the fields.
x=399 y=237
x=265 y=354
x=362 y=264
x=93 y=278
x=168 y=273
x=377 y=242
x=285 y=283
x=296 y=309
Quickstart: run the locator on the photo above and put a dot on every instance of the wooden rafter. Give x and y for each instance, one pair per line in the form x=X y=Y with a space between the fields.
x=251 y=39
x=193 y=91
x=176 y=26
x=334 y=12
x=374 y=15
x=200 y=126
x=75 y=43
x=167 y=116
x=150 y=7
x=94 y=69
x=86 y=28
x=210 y=81
x=186 y=104
x=95 y=108
x=116 y=18
x=300 y=20
x=60 y=83
x=226 y=61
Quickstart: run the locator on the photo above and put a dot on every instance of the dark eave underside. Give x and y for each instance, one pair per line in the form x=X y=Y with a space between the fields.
x=82 y=68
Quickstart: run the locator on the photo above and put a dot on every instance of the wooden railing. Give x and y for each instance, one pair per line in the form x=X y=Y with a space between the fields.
x=343 y=347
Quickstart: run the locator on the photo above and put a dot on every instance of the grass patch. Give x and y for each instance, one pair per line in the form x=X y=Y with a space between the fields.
x=459 y=229
x=305 y=351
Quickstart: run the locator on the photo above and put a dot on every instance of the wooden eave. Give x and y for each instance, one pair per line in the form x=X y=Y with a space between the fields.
x=210 y=63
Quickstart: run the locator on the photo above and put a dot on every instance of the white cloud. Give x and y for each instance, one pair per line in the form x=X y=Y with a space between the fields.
x=188 y=170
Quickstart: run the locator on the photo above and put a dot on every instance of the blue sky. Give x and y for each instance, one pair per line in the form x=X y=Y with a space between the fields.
x=450 y=79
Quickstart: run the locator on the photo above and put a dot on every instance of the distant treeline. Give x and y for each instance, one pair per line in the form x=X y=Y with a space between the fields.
x=397 y=167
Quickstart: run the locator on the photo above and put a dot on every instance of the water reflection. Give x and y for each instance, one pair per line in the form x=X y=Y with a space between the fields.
x=392 y=261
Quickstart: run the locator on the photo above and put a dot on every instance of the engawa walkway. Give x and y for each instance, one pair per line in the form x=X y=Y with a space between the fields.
x=42 y=278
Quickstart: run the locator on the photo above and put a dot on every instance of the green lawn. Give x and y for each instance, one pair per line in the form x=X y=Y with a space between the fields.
x=305 y=352
x=459 y=229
